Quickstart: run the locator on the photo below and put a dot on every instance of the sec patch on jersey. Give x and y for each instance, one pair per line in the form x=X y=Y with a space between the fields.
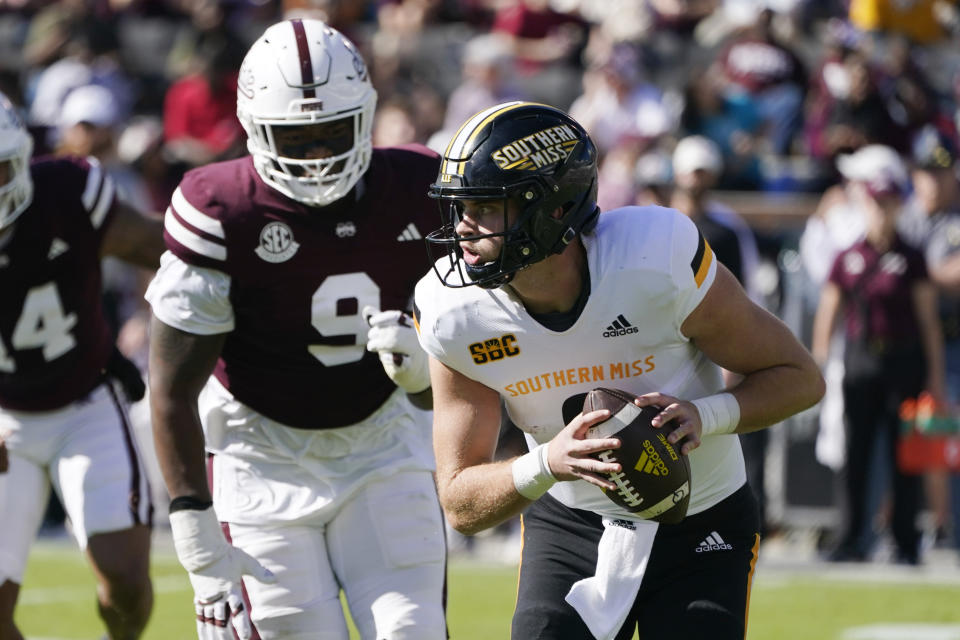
x=654 y=481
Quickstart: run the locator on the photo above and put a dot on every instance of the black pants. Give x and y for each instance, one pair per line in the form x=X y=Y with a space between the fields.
x=689 y=590
x=871 y=404
x=754 y=445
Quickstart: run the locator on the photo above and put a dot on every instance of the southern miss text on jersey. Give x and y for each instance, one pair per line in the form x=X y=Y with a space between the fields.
x=649 y=268
x=54 y=338
x=300 y=277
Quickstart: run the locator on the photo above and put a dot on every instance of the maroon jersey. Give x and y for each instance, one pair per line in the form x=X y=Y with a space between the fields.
x=54 y=337
x=300 y=276
x=755 y=64
x=883 y=282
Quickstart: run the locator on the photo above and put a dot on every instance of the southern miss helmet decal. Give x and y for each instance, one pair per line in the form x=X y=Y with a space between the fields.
x=531 y=154
x=537 y=150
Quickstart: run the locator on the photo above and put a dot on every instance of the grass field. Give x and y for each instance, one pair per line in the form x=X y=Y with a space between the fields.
x=804 y=603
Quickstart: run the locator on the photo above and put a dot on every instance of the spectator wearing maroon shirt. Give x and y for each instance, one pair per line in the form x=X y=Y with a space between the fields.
x=758 y=64
x=894 y=345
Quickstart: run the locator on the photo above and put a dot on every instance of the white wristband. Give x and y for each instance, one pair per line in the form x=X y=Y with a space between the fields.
x=719 y=413
x=531 y=473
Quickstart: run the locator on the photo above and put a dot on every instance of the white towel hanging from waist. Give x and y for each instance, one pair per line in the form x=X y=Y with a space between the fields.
x=605 y=600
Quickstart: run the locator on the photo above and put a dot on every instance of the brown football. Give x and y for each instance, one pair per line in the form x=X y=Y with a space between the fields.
x=654 y=482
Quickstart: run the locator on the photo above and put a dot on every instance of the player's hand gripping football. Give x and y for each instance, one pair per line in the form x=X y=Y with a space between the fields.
x=569 y=454
x=215 y=568
x=688 y=431
x=394 y=338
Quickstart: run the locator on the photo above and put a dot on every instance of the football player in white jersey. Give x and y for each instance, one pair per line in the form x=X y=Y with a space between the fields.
x=537 y=298
x=278 y=264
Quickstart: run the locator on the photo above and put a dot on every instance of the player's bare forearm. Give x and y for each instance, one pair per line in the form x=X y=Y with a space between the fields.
x=479 y=497
x=475 y=492
x=772 y=395
x=180 y=364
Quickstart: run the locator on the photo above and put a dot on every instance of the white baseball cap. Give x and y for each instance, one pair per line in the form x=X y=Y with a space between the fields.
x=879 y=167
x=90 y=103
x=697 y=152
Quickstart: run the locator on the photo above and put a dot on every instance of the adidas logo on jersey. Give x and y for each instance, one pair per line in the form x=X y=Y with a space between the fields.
x=410 y=233
x=713 y=543
x=619 y=327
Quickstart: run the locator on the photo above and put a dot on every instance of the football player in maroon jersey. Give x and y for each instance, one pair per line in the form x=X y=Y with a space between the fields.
x=62 y=422
x=318 y=464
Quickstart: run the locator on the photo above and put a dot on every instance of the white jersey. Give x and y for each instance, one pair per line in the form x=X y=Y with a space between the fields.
x=649 y=268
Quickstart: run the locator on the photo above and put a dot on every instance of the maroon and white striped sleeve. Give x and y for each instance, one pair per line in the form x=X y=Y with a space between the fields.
x=192 y=234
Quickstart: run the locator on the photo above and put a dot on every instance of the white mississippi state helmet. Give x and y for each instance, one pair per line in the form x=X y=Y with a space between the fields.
x=16 y=146
x=303 y=73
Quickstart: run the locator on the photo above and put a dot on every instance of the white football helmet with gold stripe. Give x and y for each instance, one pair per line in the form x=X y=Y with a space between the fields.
x=531 y=154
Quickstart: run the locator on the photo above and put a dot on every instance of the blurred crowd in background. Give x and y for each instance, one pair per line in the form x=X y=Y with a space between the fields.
x=764 y=94
x=780 y=86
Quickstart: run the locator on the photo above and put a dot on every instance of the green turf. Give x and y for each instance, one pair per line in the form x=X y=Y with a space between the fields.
x=57 y=602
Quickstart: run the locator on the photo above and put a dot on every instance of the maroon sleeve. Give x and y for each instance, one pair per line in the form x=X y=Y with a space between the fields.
x=836 y=271
x=193 y=229
x=80 y=179
x=509 y=20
